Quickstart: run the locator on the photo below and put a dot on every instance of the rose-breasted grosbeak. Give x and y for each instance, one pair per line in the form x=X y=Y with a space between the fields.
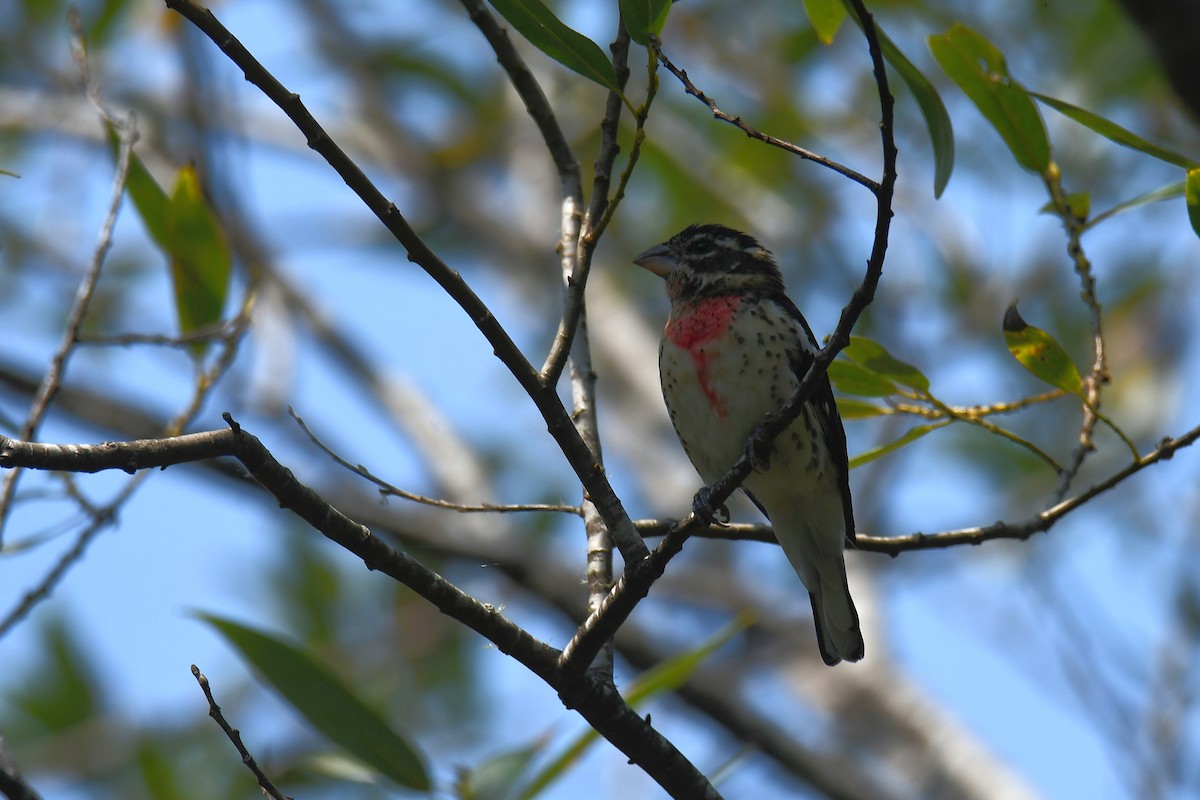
x=734 y=350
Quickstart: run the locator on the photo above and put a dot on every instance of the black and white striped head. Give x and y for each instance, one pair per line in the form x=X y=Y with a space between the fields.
x=708 y=260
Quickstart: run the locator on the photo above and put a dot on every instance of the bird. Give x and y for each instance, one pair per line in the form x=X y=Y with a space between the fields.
x=734 y=349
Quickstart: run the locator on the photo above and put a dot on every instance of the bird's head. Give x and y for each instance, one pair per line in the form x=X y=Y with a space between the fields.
x=708 y=260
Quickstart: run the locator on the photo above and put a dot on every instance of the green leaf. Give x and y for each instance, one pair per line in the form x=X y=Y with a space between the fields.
x=200 y=258
x=148 y=197
x=1168 y=192
x=643 y=17
x=326 y=703
x=667 y=676
x=852 y=378
x=875 y=357
x=980 y=70
x=1191 y=193
x=565 y=45
x=1038 y=352
x=1114 y=132
x=937 y=120
x=858 y=409
x=1079 y=205
x=826 y=17
x=9 y=174
x=911 y=436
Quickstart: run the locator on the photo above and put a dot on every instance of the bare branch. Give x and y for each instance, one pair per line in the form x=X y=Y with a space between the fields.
x=388 y=489
x=752 y=132
x=235 y=736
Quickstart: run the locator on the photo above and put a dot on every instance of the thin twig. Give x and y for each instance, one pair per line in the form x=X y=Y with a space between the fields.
x=388 y=489
x=752 y=132
x=52 y=380
x=235 y=736
x=1098 y=374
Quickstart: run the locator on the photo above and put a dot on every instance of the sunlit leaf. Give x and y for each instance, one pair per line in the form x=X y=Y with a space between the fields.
x=1191 y=192
x=826 y=17
x=1040 y=353
x=200 y=258
x=980 y=70
x=873 y=356
x=1114 y=132
x=911 y=436
x=326 y=703
x=851 y=378
x=553 y=37
x=667 y=676
x=644 y=17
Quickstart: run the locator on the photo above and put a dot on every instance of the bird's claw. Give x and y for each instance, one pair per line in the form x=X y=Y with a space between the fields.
x=702 y=507
x=758 y=447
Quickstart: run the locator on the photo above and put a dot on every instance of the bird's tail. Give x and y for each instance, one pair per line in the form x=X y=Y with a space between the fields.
x=838 y=633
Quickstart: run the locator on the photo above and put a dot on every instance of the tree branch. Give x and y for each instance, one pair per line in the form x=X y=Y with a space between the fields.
x=597 y=701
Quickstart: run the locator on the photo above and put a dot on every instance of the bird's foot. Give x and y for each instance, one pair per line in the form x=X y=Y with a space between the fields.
x=758 y=446
x=702 y=507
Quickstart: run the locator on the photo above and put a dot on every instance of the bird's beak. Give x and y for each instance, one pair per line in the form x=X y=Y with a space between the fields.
x=657 y=259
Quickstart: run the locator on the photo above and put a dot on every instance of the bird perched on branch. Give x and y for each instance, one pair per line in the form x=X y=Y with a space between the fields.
x=734 y=350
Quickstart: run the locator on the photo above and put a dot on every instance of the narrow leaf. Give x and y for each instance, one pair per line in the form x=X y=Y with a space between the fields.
x=911 y=436
x=643 y=17
x=826 y=17
x=667 y=676
x=1038 y=352
x=980 y=70
x=937 y=120
x=326 y=703
x=553 y=37
x=1114 y=132
x=200 y=258
x=851 y=378
x=1191 y=193
x=1168 y=192
x=148 y=197
x=873 y=356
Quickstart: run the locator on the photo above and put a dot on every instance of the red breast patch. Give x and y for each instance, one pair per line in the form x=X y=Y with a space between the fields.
x=696 y=325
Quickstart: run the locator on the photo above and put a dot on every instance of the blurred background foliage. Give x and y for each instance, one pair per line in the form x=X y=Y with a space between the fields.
x=1058 y=667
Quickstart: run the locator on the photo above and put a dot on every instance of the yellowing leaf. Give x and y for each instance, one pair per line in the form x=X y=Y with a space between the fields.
x=826 y=17
x=1038 y=352
x=200 y=258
